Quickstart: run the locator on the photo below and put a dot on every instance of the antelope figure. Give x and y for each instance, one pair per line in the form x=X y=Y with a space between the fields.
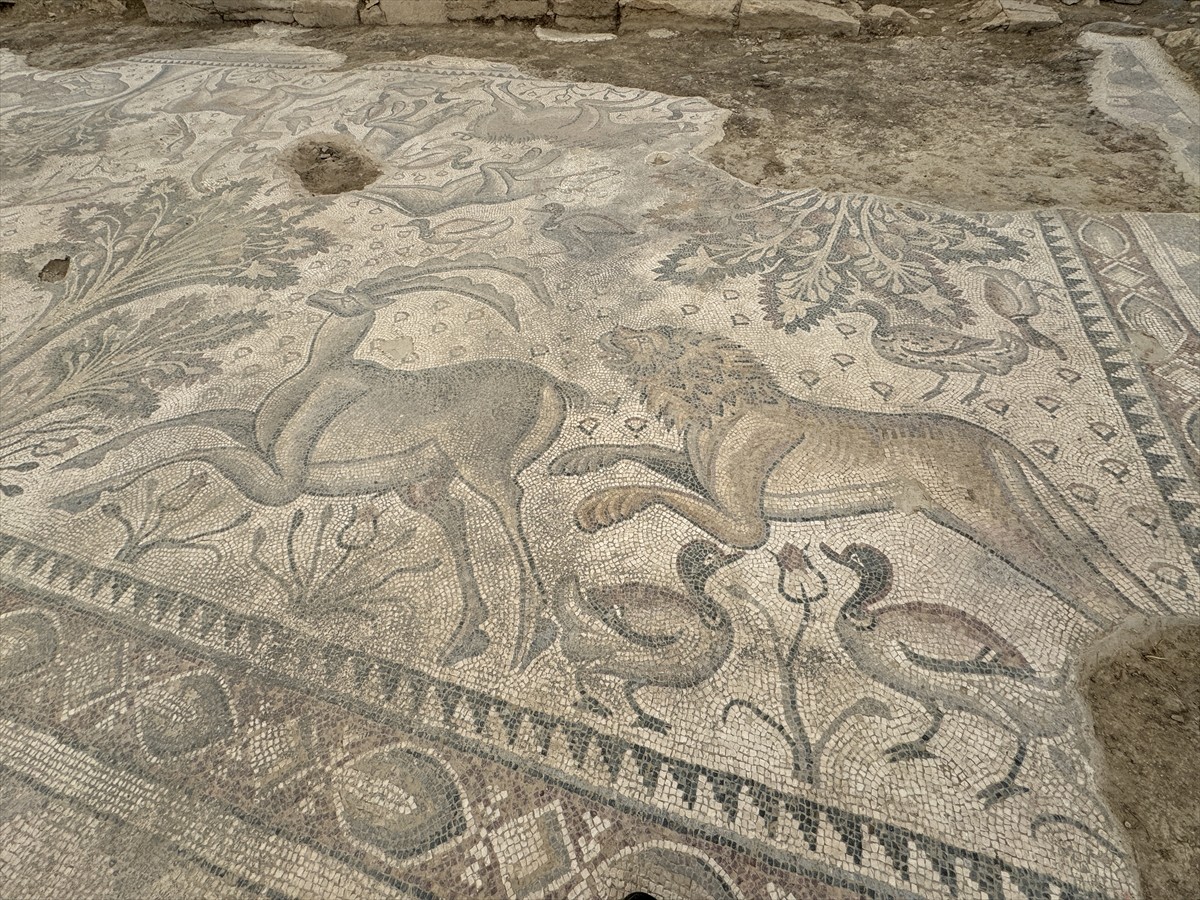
x=344 y=427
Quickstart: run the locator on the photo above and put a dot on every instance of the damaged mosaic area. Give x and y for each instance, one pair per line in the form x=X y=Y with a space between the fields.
x=539 y=511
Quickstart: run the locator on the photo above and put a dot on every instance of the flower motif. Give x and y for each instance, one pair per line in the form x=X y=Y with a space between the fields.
x=360 y=531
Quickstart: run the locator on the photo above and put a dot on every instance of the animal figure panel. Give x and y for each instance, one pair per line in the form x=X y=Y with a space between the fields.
x=948 y=661
x=753 y=454
x=344 y=427
x=646 y=635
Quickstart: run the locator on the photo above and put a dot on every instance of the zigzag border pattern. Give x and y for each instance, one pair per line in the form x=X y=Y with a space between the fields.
x=1124 y=378
x=433 y=708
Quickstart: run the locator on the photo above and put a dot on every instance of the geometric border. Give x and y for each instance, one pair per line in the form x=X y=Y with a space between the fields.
x=1170 y=474
x=471 y=721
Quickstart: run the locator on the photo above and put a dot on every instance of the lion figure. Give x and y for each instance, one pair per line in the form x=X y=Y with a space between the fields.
x=751 y=454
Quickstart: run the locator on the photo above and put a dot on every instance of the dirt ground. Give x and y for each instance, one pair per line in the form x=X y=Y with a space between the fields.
x=331 y=164
x=949 y=116
x=1143 y=688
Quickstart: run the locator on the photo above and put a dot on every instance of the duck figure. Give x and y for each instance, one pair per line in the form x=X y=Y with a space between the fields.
x=646 y=635
x=948 y=661
x=943 y=350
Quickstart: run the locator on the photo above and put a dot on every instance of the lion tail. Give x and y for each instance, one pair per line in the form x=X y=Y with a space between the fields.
x=574 y=395
x=1044 y=501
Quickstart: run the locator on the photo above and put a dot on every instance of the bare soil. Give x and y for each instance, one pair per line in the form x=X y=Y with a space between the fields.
x=1142 y=685
x=331 y=164
x=948 y=116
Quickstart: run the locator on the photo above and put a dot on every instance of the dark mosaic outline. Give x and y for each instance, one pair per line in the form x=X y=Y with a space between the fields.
x=364 y=683
x=1124 y=376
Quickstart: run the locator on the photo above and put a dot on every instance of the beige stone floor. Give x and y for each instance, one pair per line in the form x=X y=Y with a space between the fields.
x=543 y=511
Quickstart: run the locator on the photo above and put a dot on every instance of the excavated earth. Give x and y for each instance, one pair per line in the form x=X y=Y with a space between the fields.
x=950 y=116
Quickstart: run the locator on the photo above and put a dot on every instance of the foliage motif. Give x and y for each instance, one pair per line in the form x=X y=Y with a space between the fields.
x=120 y=366
x=813 y=250
x=176 y=516
x=343 y=566
x=165 y=240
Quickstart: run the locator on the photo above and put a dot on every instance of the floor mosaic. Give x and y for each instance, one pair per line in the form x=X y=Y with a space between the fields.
x=553 y=515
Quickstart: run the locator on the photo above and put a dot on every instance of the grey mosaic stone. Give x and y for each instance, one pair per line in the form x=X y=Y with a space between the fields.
x=552 y=514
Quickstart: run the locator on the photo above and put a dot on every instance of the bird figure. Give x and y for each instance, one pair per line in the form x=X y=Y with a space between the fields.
x=460 y=231
x=646 y=635
x=431 y=156
x=583 y=231
x=948 y=661
x=944 y=350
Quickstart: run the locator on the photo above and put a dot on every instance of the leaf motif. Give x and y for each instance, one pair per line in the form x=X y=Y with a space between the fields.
x=801 y=298
x=812 y=249
x=120 y=366
x=167 y=239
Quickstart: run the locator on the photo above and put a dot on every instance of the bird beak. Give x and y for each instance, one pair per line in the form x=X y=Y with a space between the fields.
x=733 y=557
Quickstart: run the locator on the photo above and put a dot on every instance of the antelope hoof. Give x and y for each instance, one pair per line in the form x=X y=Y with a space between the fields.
x=591 y=704
x=469 y=647
x=545 y=633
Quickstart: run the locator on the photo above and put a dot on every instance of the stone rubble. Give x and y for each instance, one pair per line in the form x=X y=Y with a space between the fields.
x=883 y=18
x=1015 y=16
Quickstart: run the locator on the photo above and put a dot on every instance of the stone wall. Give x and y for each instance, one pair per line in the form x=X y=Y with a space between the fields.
x=812 y=16
x=838 y=17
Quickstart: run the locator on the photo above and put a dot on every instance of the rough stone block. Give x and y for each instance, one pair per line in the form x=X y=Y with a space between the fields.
x=414 y=12
x=520 y=9
x=585 y=9
x=225 y=7
x=326 y=13
x=1013 y=15
x=586 y=24
x=468 y=10
x=487 y=10
x=681 y=15
x=176 y=12
x=882 y=18
x=253 y=14
x=796 y=15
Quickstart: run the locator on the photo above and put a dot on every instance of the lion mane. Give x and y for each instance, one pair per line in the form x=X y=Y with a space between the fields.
x=688 y=379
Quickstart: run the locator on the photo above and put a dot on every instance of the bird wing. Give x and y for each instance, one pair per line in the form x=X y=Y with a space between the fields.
x=639 y=613
x=940 y=343
x=948 y=640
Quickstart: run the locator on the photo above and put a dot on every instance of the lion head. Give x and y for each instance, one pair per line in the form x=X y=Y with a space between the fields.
x=686 y=377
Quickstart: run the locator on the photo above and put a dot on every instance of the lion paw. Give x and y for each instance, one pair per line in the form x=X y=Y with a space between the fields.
x=610 y=507
x=583 y=460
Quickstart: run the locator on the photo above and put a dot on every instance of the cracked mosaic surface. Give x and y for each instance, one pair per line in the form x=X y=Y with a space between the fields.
x=555 y=515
